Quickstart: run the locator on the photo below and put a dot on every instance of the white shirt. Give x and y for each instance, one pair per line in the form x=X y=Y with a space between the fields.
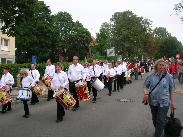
x=124 y=68
x=111 y=72
x=27 y=81
x=50 y=70
x=95 y=71
x=87 y=73
x=105 y=67
x=34 y=74
x=6 y=80
x=59 y=80
x=76 y=72
x=127 y=73
x=118 y=70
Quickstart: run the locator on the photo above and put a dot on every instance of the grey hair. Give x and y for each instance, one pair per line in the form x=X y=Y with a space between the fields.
x=156 y=64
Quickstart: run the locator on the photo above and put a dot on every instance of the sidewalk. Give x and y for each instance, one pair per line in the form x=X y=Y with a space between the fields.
x=179 y=87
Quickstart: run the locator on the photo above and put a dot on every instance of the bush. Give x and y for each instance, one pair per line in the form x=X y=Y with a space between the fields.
x=15 y=68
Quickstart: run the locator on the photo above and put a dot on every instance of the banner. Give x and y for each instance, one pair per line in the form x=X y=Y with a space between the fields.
x=111 y=52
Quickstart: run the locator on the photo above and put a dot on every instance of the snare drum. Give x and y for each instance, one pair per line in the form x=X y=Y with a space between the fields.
x=37 y=90
x=23 y=94
x=65 y=99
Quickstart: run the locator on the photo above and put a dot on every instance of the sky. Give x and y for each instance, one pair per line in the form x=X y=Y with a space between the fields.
x=92 y=13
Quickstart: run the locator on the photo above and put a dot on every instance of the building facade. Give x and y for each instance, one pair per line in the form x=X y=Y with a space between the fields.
x=7 y=48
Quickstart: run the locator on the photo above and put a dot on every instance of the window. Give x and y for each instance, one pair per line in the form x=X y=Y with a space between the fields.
x=5 y=42
x=3 y=60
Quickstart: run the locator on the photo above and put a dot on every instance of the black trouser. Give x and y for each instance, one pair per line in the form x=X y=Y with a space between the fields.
x=72 y=89
x=6 y=106
x=159 y=119
x=110 y=84
x=105 y=81
x=89 y=86
x=94 y=90
x=118 y=81
x=60 y=111
x=180 y=78
x=26 y=107
x=115 y=83
x=122 y=79
x=100 y=77
x=50 y=94
x=34 y=98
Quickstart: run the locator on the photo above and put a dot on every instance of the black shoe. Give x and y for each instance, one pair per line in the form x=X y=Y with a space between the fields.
x=48 y=99
x=74 y=109
x=114 y=91
x=109 y=94
x=59 y=120
x=9 y=109
x=37 y=101
x=25 y=116
x=118 y=90
x=3 y=111
x=94 y=100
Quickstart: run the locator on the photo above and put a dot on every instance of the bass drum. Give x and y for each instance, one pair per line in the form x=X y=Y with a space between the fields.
x=97 y=84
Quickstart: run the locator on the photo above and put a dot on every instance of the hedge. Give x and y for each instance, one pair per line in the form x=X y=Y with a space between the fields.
x=15 y=68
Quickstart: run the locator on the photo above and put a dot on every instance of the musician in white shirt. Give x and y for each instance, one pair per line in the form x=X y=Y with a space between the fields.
x=75 y=74
x=26 y=82
x=110 y=74
x=7 y=81
x=34 y=73
x=95 y=73
x=105 y=67
x=49 y=72
x=118 y=76
x=59 y=81
x=124 y=69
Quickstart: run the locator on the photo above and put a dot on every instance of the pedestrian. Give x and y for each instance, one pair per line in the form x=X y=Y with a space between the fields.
x=159 y=91
x=59 y=82
x=7 y=81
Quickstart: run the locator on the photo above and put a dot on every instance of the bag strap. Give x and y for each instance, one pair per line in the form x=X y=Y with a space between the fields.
x=157 y=83
x=172 y=113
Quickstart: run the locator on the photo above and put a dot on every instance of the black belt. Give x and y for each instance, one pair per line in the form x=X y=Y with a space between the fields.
x=76 y=81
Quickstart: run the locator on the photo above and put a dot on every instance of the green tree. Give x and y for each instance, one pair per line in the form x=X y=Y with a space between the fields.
x=169 y=47
x=129 y=33
x=103 y=39
x=15 y=12
x=160 y=33
x=73 y=38
x=36 y=35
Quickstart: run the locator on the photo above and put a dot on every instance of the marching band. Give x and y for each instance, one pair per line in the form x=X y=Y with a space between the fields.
x=67 y=88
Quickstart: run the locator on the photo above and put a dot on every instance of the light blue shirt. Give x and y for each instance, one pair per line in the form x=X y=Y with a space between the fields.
x=160 y=96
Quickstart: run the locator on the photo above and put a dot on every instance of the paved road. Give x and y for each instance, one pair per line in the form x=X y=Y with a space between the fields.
x=107 y=118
